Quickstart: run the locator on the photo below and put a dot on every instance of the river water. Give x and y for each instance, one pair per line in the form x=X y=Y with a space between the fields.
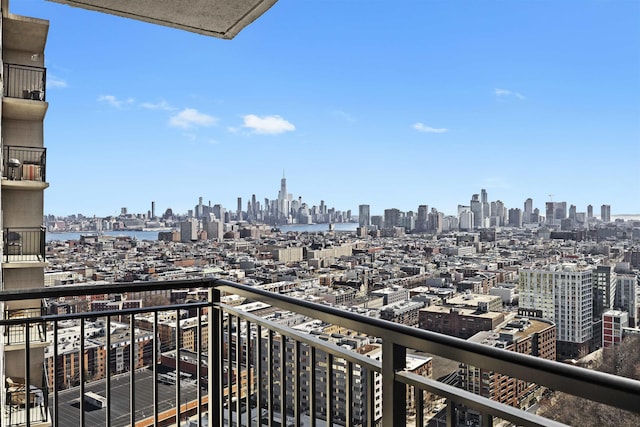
x=153 y=235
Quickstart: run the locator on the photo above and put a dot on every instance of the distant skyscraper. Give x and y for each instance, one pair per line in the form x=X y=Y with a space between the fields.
x=391 y=218
x=535 y=216
x=189 y=230
x=476 y=208
x=589 y=212
x=364 y=215
x=465 y=219
x=484 y=199
x=528 y=210
x=213 y=227
x=421 y=221
x=605 y=213
x=515 y=217
x=153 y=209
x=560 y=210
x=378 y=221
x=283 y=201
x=239 y=209
x=435 y=221
x=498 y=213
x=550 y=209
x=199 y=209
x=219 y=212
x=254 y=208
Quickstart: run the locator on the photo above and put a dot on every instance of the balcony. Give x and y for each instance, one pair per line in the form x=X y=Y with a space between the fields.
x=23 y=245
x=237 y=377
x=24 y=93
x=24 y=167
x=16 y=335
x=25 y=82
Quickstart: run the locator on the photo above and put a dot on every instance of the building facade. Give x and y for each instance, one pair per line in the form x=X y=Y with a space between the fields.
x=24 y=107
x=563 y=294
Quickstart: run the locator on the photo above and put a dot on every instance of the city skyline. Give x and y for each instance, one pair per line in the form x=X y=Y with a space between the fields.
x=289 y=201
x=395 y=107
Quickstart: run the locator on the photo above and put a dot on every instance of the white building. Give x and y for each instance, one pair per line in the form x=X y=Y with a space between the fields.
x=562 y=294
x=627 y=288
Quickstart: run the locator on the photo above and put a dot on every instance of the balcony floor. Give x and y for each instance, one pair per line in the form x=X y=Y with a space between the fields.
x=23 y=261
x=14 y=415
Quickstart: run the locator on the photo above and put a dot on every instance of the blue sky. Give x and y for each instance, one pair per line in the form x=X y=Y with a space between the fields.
x=392 y=104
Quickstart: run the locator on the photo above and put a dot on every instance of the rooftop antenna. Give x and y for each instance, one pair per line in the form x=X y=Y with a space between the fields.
x=551 y=197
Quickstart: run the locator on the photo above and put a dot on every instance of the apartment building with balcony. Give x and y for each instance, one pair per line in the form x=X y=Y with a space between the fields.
x=24 y=180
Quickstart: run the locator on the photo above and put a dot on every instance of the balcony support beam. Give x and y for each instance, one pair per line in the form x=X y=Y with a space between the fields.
x=394 y=405
x=214 y=377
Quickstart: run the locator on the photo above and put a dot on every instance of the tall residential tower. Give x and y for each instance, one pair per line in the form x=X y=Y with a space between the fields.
x=22 y=197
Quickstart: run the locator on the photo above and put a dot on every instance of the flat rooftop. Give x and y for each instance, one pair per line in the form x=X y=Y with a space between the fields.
x=461 y=311
x=69 y=400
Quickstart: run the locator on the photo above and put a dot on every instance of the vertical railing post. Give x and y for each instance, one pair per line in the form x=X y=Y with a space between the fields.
x=270 y=370
x=81 y=374
x=238 y=363
x=177 y=365
x=214 y=380
x=487 y=419
x=43 y=236
x=27 y=371
x=312 y=386
x=259 y=375
x=394 y=406
x=156 y=348
x=297 y=384
x=56 y=384
x=451 y=413
x=132 y=371
x=199 y=364
x=107 y=374
x=419 y=397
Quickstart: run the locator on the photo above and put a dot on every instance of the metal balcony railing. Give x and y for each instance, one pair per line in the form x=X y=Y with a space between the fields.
x=25 y=408
x=24 y=163
x=25 y=82
x=16 y=334
x=25 y=244
x=248 y=370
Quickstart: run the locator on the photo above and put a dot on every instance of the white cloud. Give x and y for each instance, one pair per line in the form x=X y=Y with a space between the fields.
x=162 y=105
x=267 y=125
x=115 y=102
x=421 y=127
x=506 y=92
x=190 y=117
x=344 y=115
x=53 y=81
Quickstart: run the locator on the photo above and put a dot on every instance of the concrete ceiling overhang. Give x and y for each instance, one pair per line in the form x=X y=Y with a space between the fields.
x=218 y=18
